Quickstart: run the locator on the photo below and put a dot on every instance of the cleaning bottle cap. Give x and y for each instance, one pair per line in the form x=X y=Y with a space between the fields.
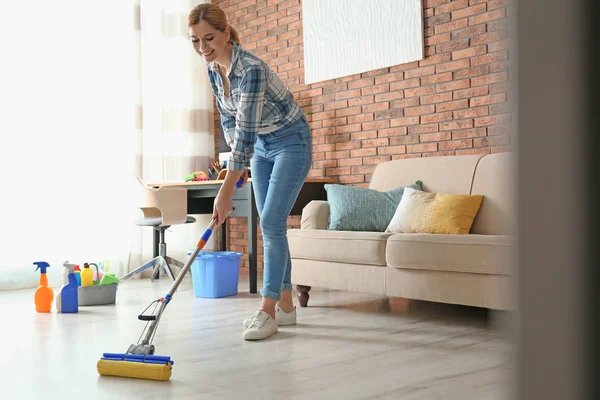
x=70 y=267
x=43 y=265
x=77 y=268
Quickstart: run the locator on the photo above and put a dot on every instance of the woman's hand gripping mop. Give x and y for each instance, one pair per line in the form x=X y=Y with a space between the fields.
x=140 y=361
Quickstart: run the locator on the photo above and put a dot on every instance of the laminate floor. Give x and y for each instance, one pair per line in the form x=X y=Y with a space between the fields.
x=346 y=346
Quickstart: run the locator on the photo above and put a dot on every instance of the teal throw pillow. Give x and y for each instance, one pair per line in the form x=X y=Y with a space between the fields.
x=355 y=208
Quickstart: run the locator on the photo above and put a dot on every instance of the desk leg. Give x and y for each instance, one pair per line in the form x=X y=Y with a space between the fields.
x=252 y=236
x=224 y=236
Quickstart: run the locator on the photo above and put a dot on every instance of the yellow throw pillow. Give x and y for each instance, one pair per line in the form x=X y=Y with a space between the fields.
x=423 y=212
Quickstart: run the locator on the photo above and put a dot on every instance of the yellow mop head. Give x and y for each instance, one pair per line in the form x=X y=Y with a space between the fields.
x=133 y=366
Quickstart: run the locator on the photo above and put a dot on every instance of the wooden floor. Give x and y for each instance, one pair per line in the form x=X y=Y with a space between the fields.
x=346 y=346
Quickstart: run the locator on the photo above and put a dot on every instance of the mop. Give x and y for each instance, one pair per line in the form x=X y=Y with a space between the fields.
x=140 y=361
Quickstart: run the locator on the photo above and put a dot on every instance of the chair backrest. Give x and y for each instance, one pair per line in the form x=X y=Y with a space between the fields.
x=167 y=202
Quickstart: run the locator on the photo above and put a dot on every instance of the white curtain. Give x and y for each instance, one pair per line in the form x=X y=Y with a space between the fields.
x=70 y=81
x=174 y=113
x=65 y=128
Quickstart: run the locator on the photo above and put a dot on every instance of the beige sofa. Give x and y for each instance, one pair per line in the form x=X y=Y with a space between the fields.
x=472 y=269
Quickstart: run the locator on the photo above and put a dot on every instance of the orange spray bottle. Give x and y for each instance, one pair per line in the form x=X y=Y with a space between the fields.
x=44 y=295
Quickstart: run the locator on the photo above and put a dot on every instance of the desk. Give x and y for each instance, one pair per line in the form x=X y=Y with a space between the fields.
x=201 y=195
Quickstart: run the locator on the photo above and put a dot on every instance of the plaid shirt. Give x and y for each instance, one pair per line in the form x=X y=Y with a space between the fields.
x=258 y=102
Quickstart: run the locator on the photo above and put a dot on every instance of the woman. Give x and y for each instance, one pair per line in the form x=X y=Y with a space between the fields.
x=267 y=132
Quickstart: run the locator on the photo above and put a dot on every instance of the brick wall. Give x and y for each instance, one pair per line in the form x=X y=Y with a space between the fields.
x=454 y=102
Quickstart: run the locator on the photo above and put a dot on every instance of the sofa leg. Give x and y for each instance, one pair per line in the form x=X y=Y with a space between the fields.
x=303 y=294
x=385 y=303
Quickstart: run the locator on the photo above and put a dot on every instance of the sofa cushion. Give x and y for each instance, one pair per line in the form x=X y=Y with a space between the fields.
x=355 y=208
x=442 y=213
x=486 y=254
x=315 y=215
x=338 y=246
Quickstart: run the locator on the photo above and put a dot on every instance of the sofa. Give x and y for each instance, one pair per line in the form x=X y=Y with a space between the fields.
x=472 y=269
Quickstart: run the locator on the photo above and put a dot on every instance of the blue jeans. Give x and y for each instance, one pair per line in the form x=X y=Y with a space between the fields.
x=280 y=165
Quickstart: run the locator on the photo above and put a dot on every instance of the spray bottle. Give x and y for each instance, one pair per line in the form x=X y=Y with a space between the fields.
x=67 y=300
x=44 y=295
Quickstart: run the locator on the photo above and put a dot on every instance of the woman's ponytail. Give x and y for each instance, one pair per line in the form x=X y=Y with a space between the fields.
x=235 y=36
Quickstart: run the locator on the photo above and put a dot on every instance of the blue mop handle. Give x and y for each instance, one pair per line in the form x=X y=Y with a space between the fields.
x=239 y=183
x=167 y=299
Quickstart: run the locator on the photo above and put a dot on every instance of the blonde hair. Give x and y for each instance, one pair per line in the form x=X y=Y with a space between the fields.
x=215 y=16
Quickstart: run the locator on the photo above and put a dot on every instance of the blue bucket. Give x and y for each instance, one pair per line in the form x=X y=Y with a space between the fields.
x=216 y=274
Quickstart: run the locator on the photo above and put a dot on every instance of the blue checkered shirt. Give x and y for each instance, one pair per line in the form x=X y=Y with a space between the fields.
x=258 y=102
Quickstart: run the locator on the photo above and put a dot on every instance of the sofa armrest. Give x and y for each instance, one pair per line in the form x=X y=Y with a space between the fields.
x=315 y=215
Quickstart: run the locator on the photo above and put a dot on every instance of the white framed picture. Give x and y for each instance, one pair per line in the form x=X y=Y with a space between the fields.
x=346 y=37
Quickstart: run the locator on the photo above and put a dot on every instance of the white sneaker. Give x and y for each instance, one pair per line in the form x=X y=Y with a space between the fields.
x=248 y=320
x=281 y=317
x=285 y=318
x=261 y=327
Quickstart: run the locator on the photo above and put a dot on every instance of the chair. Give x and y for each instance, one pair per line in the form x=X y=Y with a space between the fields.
x=162 y=207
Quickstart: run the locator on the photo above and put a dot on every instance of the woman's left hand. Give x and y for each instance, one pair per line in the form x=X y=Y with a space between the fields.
x=222 y=207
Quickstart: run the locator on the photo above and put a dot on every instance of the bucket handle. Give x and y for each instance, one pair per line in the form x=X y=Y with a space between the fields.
x=96 y=281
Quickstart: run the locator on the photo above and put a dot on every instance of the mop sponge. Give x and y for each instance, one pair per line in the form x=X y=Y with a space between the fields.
x=135 y=366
